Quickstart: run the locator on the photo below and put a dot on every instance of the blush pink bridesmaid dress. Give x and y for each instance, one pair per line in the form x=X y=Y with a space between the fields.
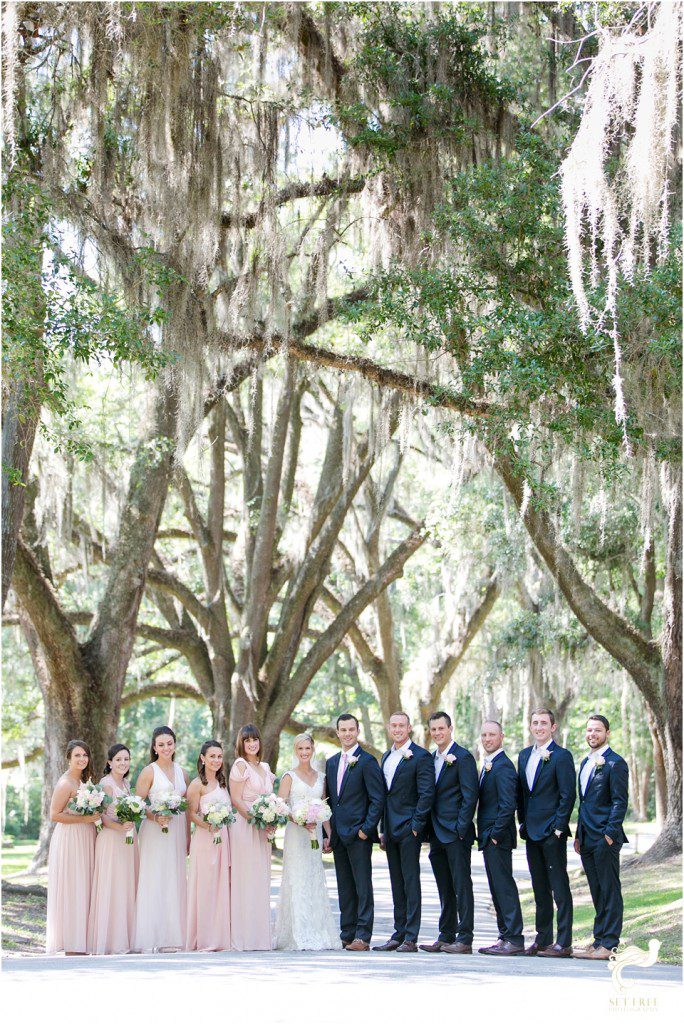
x=70 y=874
x=111 y=925
x=209 y=883
x=250 y=872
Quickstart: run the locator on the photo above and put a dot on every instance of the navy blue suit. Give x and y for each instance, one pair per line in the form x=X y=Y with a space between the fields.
x=452 y=835
x=602 y=811
x=408 y=802
x=357 y=807
x=543 y=811
x=496 y=820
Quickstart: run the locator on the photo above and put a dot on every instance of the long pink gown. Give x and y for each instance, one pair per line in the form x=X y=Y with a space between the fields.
x=209 y=883
x=70 y=874
x=250 y=874
x=162 y=893
x=111 y=924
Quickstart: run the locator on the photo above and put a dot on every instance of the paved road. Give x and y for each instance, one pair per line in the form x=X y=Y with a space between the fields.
x=347 y=980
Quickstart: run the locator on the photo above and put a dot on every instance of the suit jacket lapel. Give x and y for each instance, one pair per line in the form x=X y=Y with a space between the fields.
x=346 y=774
x=540 y=764
x=445 y=765
x=523 y=766
x=334 y=765
x=579 y=779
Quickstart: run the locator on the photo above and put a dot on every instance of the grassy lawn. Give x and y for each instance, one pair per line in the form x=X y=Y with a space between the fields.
x=653 y=907
x=16 y=858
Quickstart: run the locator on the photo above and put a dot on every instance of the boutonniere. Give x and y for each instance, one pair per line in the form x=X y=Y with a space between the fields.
x=546 y=755
x=488 y=766
x=351 y=761
x=450 y=759
x=407 y=755
x=600 y=761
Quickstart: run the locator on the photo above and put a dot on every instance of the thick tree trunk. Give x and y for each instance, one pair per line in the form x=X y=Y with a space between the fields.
x=19 y=424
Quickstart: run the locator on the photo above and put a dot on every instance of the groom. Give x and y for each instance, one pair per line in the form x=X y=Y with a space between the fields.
x=356 y=793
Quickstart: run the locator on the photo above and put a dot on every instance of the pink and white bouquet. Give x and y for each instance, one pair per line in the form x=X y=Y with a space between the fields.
x=90 y=799
x=168 y=804
x=268 y=811
x=219 y=814
x=130 y=808
x=312 y=812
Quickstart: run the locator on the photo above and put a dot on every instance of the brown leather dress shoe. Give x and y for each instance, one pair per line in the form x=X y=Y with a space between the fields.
x=488 y=949
x=433 y=947
x=556 y=952
x=358 y=946
x=407 y=947
x=598 y=953
x=457 y=947
x=532 y=950
x=503 y=948
x=387 y=947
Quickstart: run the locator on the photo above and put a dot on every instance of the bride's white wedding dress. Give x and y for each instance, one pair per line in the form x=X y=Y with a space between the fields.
x=304 y=919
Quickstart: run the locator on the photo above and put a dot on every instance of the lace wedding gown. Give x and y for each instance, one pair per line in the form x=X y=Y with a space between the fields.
x=304 y=919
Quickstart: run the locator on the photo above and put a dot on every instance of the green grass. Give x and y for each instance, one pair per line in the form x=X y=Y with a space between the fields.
x=16 y=858
x=653 y=907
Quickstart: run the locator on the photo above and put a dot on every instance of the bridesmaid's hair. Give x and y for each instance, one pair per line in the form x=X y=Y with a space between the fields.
x=161 y=730
x=112 y=752
x=247 y=732
x=71 y=746
x=201 y=767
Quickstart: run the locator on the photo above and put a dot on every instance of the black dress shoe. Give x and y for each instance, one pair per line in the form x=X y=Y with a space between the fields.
x=433 y=947
x=387 y=947
x=407 y=947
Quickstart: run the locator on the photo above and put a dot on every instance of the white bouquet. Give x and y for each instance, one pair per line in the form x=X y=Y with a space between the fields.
x=219 y=814
x=90 y=798
x=130 y=808
x=167 y=804
x=312 y=812
x=268 y=811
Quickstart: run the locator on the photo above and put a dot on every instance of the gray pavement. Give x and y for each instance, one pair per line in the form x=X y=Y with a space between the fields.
x=373 y=975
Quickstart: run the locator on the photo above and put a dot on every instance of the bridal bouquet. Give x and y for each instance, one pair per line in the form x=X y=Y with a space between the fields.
x=167 y=804
x=219 y=814
x=268 y=811
x=89 y=799
x=312 y=812
x=130 y=808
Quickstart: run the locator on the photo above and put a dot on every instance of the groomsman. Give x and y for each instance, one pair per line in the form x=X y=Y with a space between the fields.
x=497 y=839
x=452 y=835
x=546 y=797
x=409 y=791
x=603 y=789
x=356 y=793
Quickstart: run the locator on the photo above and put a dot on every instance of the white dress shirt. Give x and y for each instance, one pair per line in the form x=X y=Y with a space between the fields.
x=533 y=761
x=392 y=761
x=585 y=774
x=488 y=758
x=440 y=760
x=344 y=762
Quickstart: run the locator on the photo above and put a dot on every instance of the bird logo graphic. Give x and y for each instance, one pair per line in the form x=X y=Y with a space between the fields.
x=631 y=956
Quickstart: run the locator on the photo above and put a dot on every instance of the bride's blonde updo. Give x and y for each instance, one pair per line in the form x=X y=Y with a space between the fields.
x=300 y=739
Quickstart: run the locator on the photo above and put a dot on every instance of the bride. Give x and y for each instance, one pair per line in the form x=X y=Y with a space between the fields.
x=304 y=919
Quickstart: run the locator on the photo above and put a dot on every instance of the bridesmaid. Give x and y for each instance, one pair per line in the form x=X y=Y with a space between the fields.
x=112 y=902
x=209 y=875
x=70 y=860
x=250 y=874
x=162 y=894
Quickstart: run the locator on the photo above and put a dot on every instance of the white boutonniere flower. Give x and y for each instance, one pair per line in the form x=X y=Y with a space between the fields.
x=488 y=766
x=351 y=761
x=407 y=755
x=546 y=755
x=600 y=761
x=450 y=759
